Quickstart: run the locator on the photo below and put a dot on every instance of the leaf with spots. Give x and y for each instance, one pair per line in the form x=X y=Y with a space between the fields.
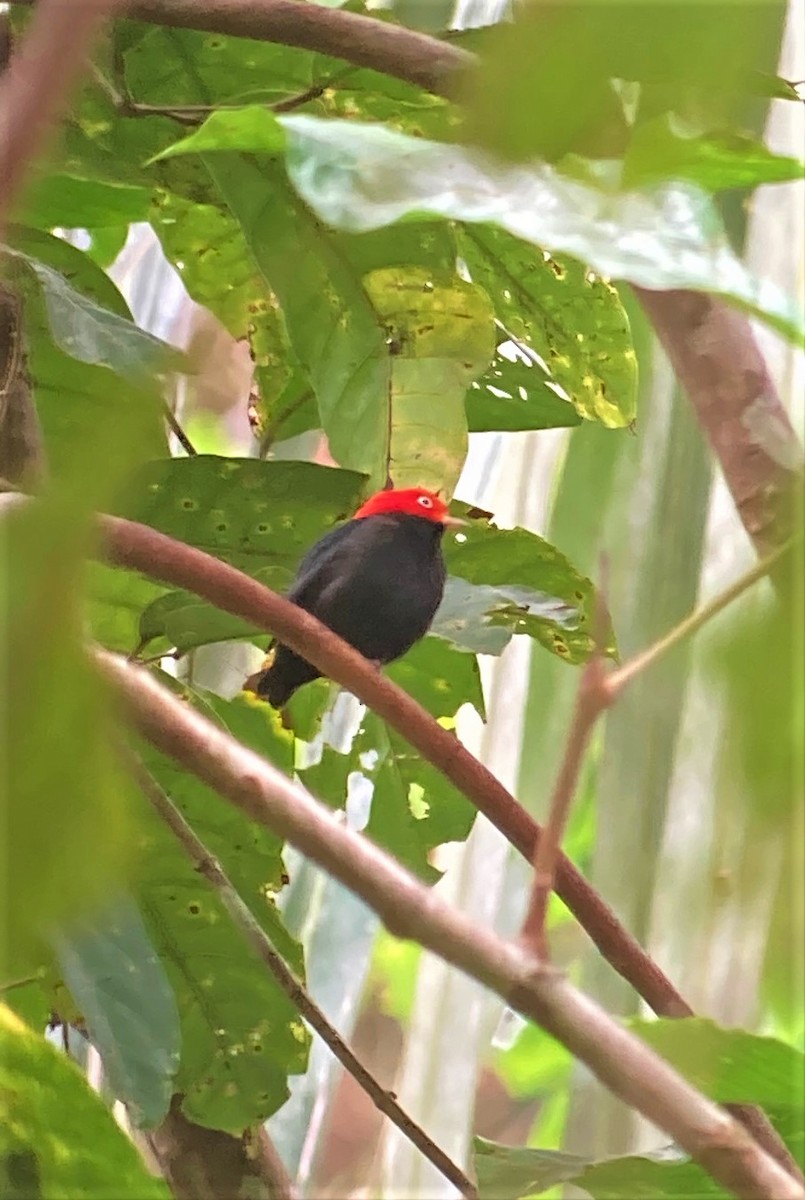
x=207 y=247
x=510 y=581
x=241 y=1036
x=259 y=516
x=570 y=323
x=440 y=333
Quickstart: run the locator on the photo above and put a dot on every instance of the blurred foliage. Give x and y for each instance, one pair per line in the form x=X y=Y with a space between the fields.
x=57 y=1138
x=397 y=292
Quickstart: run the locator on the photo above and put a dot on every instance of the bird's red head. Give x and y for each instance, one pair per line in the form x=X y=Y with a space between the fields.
x=414 y=502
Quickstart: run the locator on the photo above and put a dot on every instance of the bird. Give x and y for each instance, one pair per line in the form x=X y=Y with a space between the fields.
x=376 y=581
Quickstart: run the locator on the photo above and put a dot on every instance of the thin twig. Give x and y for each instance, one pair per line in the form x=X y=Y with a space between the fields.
x=691 y=624
x=177 y=431
x=627 y=1066
x=592 y=698
x=248 y=927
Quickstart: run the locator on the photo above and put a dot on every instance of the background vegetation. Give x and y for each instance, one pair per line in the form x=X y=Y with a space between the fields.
x=248 y=280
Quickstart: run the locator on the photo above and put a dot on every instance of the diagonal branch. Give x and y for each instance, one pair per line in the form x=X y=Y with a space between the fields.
x=143 y=549
x=250 y=930
x=620 y=1060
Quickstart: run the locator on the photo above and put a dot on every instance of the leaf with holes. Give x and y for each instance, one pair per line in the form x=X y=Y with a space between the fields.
x=441 y=337
x=563 y=314
x=363 y=177
x=507 y=581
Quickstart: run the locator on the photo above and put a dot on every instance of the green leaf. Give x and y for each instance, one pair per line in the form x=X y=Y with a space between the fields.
x=507 y=581
x=103 y=336
x=564 y=314
x=414 y=808
x=70 y=202
x=259 y=516
x=516 y=393
x=208 y=249
x=439 y=677
x=507 y=1172
x=361 y=177
x=320 y=294
x=561 y=70
x=119 y=986
x=57 y=1138
x=729 y=1065
x=652 y=1176
x=441 y=338
x=64 y=789
x=665 y=148
x=241 y=1036
x=253 y=129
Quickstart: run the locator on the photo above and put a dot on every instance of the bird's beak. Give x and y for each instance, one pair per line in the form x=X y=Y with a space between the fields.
x=453 y=521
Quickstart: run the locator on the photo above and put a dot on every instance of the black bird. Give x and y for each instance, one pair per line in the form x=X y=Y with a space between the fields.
x=376 y=581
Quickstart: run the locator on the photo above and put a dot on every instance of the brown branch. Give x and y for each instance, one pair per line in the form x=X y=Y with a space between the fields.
x=360 y=40
x=177 y=430
x=35 y=88
x=592 y=698
x=718 y=362
x=246 y=924
x=143 y=549
x=620 y=1060
x=599 y=689
x=207 y=1164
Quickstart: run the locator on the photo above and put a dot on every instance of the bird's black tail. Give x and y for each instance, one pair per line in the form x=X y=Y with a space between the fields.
x=283 y=673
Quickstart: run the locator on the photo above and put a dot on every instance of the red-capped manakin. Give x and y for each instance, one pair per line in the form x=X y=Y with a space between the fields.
x=376 y=581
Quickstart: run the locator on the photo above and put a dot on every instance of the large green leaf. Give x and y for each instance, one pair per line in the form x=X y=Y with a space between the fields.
x=543 y=85
x=207 y=247
x=57 y=1137
x=64 y=789
x=361 y=177
x=507 y=581
x=241 y=1036
x=411 y=806
x=121 y=990
x=566 y=315
x=729 y=1065
x=71 y=202
x=441 y=336
x=93 y=371
x=508 y=1172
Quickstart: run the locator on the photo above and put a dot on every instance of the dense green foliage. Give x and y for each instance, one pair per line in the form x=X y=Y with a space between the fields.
x=389 y=303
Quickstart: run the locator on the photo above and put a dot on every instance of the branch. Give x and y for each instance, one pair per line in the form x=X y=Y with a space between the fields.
x=363 y=41
x=140 y=548
x=208 y=1164
x=36 y=87
x=598 y=690
x=718 y=362
x=409 y=910
x=250 y=930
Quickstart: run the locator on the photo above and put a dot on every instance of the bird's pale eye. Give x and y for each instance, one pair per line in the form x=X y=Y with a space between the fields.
x=425 y=501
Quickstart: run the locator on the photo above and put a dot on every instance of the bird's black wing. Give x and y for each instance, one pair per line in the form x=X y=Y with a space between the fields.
x=325 y=563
